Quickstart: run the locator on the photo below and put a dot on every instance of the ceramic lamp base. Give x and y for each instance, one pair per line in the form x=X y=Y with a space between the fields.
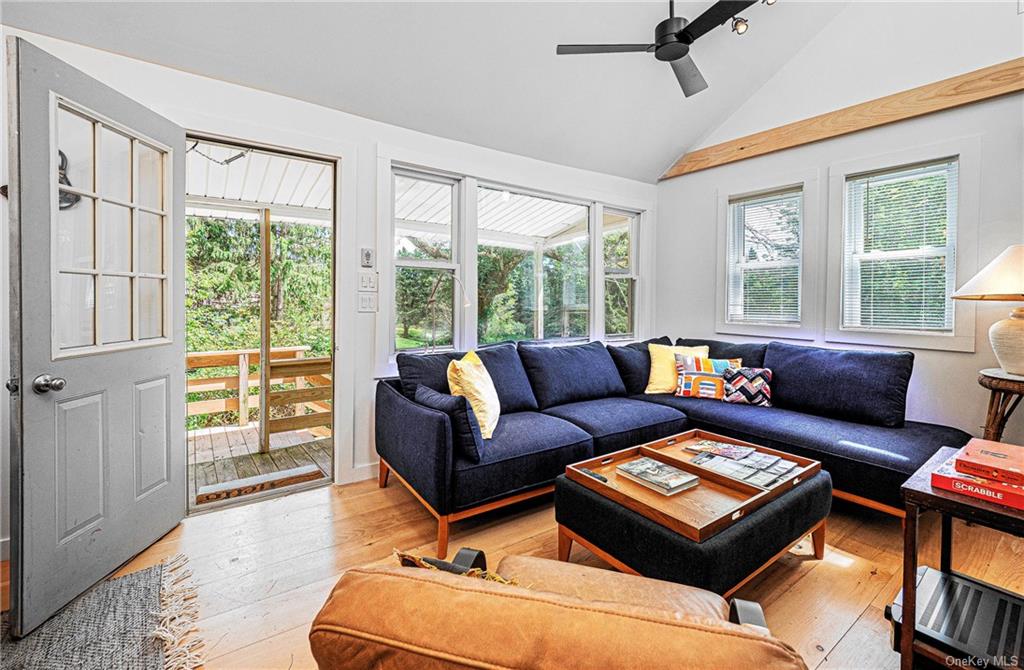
x=1007 y=338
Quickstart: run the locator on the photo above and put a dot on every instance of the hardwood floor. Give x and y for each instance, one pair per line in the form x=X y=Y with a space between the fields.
x=264 y=569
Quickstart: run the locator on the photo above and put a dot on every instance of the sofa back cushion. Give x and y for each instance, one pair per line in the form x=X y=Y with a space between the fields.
x=561 y=375
x=502 y=363
x=752 y=353
x=854 y=385
x=465 y=427
x=406 y=618
x=634 y=363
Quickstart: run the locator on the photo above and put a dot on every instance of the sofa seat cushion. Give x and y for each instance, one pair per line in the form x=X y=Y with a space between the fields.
x=528 y=449
x=562 y=374
x=502 y=363
x=587 y=583
x=618 y=423
x=869 y=461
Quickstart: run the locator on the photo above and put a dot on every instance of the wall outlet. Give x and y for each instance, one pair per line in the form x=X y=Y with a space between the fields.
x=366 y=257
x=367 y=280
x=367 y=302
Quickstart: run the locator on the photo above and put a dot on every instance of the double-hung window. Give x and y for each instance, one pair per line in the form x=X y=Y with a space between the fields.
x=618 y=240
x=899 y=248
x=763 y=264
x=425 y=216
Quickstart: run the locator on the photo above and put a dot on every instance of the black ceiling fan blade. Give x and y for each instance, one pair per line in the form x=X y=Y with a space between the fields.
x=714 y=16
x=567 y=49
x=690 y=78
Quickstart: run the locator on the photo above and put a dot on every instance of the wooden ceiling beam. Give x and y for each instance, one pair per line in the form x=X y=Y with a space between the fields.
x=989 y=82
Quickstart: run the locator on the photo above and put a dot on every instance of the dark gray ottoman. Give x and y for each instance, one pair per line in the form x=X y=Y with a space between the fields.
x=720 y=563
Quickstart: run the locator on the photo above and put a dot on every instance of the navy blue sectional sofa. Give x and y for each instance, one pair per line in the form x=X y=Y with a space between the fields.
x=563 y=404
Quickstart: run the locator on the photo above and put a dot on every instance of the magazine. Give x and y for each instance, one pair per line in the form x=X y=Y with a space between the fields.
x=765 y=470
x=724 y=449
x=658 y=476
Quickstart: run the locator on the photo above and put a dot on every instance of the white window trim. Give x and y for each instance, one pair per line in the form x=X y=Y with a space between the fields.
x=633 y=273
x=962 y=339
x=811 y=268
x=390 y=158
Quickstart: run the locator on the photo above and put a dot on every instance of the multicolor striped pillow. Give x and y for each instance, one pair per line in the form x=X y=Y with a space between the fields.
x=700 y=377
x=748 y=386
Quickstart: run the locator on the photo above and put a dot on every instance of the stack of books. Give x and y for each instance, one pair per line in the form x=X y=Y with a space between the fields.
x=988 y=470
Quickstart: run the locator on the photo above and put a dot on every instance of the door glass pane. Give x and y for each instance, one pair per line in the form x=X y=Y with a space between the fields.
x=117 y=237
x=149 y=176
x=151 y=249
x=75 y=141
x=423 y=308
x=117 y=309
x=74 y=310
x=151 y=308
x=423 y=218
x=115 y=165
x=75 y=235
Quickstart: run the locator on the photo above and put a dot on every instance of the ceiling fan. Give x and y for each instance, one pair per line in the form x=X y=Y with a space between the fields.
x=672 y=40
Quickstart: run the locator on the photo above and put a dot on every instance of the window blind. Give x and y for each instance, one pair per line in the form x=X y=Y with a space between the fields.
x=763 y=272
x=899 y=248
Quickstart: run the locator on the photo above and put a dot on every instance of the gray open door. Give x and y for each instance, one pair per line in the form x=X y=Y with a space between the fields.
x=97 y=331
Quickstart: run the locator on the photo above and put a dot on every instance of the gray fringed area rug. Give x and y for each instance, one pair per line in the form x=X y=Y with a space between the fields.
x=145 y=620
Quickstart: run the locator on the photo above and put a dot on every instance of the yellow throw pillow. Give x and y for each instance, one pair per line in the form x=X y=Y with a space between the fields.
x=664 y=378
x=469 y=378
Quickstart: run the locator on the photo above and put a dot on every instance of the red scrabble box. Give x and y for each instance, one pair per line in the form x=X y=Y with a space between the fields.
x=992 y=460
x=946 y=477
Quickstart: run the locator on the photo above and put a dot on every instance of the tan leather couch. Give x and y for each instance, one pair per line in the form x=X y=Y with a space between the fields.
x=560 y=616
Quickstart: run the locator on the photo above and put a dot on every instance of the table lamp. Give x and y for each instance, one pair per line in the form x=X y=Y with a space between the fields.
x=1002 y=279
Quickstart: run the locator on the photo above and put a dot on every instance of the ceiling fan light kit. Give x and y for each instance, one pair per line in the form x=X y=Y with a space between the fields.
x=673 y=38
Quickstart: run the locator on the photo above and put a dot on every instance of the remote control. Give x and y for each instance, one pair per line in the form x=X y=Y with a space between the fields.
x=600 y=478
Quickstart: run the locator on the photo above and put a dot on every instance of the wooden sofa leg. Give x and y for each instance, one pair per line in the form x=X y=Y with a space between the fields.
x=818 y=539
x=382 y=474
x=564 y=544
x=442 y=537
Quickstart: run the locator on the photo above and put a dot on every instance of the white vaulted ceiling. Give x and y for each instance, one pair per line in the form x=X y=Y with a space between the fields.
x=482 y=72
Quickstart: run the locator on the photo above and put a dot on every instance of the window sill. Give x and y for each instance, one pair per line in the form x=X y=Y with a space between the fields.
x=794 y=332
x=904 y=340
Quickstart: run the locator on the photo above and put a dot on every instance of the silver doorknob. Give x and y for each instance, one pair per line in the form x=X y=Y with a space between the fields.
x=45 y=383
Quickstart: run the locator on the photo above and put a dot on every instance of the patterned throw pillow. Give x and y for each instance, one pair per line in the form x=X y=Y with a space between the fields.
x=701 y=385
x=685 y=363
x=748 y=386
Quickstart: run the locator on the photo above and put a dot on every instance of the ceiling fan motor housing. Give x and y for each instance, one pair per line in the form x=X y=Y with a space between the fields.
x=668 y=39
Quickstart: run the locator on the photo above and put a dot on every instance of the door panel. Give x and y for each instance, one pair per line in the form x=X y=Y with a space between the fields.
x=152 y=435
x=97 y=466
x=80 y=471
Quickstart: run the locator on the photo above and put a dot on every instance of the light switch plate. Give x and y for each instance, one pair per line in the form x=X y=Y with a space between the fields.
x=367 y=280
x=367 y=302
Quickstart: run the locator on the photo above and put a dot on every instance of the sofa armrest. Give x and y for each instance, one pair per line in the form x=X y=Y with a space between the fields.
x=747 y=612
x=416 y=442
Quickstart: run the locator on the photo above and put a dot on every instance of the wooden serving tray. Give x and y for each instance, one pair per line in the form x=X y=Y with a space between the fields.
x=698 y=513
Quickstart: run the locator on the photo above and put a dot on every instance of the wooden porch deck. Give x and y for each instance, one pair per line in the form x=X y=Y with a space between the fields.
x=225 y=454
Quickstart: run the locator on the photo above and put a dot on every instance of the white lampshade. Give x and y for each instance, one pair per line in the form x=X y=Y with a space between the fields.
x=1002 y=279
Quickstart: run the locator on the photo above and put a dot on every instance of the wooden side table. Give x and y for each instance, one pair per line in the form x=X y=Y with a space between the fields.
x=959 y=620
x=1007 y=390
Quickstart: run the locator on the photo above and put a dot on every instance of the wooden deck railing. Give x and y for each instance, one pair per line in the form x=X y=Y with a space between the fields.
x=288 y=365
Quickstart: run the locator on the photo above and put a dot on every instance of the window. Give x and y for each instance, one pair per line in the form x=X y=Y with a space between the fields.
x=425 y=216
x=533 y=268
x=899 y=248
x=109 y=231
x=618 y=248
x=763 y=264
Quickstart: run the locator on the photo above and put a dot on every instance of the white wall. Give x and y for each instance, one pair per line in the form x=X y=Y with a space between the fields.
x=874 y=49
x=943 y=387
x=206 y=105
